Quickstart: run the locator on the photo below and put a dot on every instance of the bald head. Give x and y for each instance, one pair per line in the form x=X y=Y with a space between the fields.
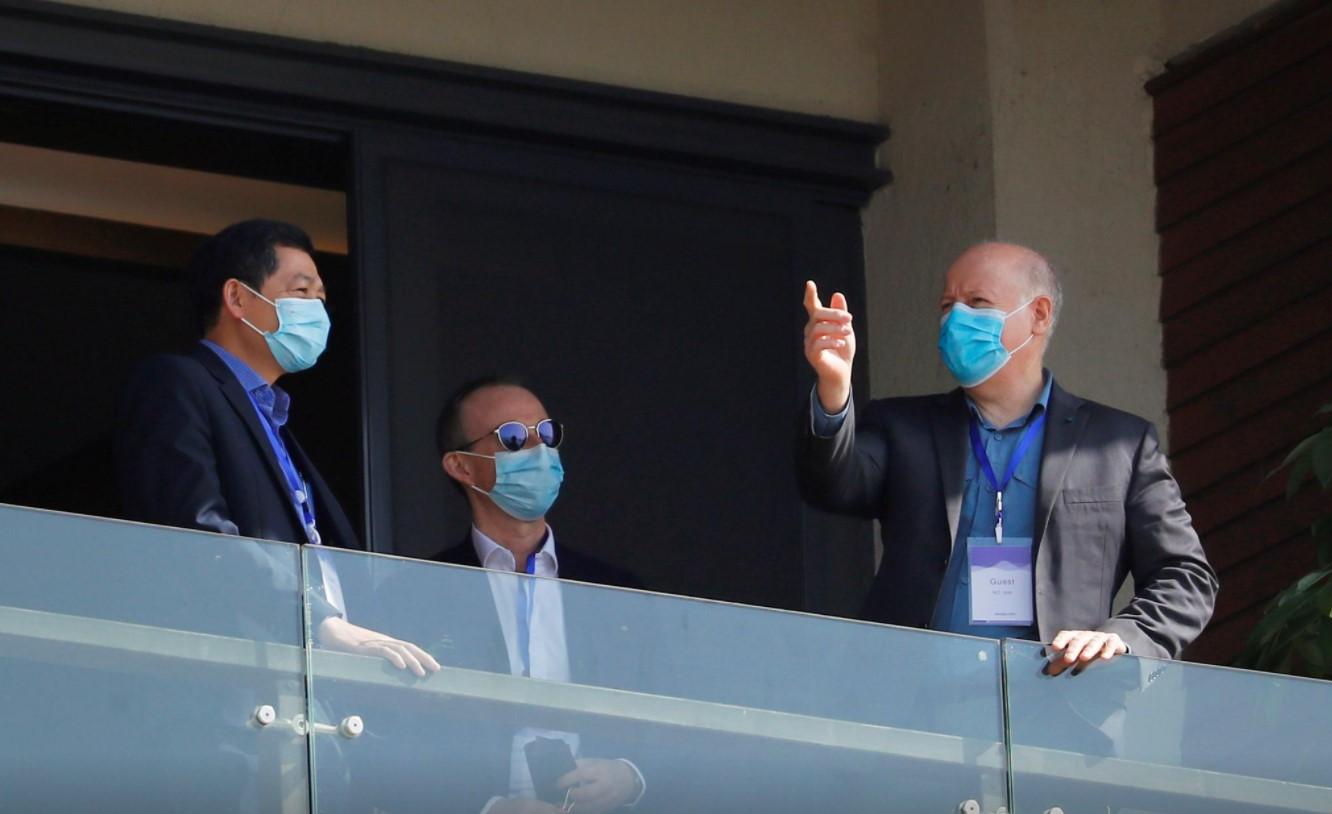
x=1015 y=273
x=488 y=407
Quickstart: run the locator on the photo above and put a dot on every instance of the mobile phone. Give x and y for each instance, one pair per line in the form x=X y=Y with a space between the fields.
x=549 y=759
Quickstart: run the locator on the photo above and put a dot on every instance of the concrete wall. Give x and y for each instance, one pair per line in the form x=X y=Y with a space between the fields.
x=1187 y=23
x=934 y=87
x=813 y=56
x=1073 y=163
x=1027 y=121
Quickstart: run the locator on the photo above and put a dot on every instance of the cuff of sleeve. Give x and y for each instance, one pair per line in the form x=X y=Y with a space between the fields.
x=321 y=608
x=821 y=423
x=642 y=784
x=490 y=804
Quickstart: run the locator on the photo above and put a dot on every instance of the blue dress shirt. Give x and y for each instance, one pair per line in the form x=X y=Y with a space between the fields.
x=952 y=610
x=272 y=403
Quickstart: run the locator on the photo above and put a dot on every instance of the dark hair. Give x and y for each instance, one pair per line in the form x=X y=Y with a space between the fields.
x=448 y=427
x=246 y=251
x=449 y=435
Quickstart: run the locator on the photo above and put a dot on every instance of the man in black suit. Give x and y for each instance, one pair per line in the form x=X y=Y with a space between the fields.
x=499 y=446
x=202 y=441
x=1008 y=507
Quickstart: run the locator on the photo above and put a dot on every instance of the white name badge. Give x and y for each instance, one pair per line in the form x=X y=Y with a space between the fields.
x=1001 y=581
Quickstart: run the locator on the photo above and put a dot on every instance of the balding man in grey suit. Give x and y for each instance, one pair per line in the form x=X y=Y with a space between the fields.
x=1008 y=507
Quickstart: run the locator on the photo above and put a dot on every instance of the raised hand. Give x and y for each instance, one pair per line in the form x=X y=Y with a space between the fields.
x=830 y=346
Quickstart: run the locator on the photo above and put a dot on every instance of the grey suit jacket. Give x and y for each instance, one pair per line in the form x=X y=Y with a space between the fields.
x=1107 y=507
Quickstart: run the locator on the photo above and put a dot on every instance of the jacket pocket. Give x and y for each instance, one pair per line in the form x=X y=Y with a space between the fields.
x=1092 y=521
x=1095 y=494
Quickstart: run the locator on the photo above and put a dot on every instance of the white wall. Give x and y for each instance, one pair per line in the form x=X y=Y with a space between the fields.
x=935 y=95
x=812 y=56
x=1073 y=163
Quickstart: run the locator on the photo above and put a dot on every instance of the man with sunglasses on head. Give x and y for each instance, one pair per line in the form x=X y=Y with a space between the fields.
x=500 y=448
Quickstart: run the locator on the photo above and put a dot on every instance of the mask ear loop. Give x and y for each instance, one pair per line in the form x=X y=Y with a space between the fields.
x=1006 y=316
x=1033 y=333
x=475 y=455
x=267 y=300
x=1024 y=344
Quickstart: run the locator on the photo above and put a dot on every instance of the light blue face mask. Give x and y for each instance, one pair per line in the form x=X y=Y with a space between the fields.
x=302 y=333
x=971 y=342
x=526 y=482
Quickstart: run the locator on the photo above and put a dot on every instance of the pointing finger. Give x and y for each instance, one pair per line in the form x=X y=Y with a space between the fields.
x=838 y=301
x=812 y=302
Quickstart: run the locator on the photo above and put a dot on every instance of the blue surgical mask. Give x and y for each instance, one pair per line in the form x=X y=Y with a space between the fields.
x=302 y=332
x=526 y=482
x=971 y=342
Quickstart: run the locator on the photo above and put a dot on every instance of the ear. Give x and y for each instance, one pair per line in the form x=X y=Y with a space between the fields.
x=1042 y=314
x=231 y=298
x=457 y=467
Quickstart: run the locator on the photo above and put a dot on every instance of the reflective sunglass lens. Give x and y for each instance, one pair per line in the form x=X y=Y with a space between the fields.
x=512 y=435
x=550 y=432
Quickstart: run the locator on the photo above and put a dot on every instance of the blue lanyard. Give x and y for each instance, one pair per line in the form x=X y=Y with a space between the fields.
x=525 y=588
x=300 y=488
x=1024 y=445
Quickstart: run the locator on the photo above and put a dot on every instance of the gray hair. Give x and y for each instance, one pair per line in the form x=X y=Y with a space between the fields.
x=1043 y=280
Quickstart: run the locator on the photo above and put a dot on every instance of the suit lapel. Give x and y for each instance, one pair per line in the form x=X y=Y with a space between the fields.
x=240 y=402
x=1062 y=430
x=488 y=648
x=950 y=447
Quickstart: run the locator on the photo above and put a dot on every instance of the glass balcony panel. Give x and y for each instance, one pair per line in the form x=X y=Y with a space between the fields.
x=1141 y=735
x=721 y=708
x=133 y=660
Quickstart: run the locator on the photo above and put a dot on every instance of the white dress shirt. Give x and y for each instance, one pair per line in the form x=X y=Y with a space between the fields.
x=548 y=652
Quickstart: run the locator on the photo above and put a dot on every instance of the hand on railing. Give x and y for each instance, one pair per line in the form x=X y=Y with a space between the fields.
x=1080 y=648
x=336 y=633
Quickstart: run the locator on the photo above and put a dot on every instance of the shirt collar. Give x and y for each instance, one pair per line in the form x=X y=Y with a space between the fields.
x=1042 y=404
x=272 y=400
x=494 y=556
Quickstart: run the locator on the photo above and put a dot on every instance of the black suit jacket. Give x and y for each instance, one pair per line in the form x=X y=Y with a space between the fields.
x=191 y=452
x=1107 y=506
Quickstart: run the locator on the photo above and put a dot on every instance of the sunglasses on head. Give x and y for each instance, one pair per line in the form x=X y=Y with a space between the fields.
x=513 y=435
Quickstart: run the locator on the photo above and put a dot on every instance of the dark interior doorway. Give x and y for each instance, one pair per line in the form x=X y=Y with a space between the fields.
x=87 y=298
